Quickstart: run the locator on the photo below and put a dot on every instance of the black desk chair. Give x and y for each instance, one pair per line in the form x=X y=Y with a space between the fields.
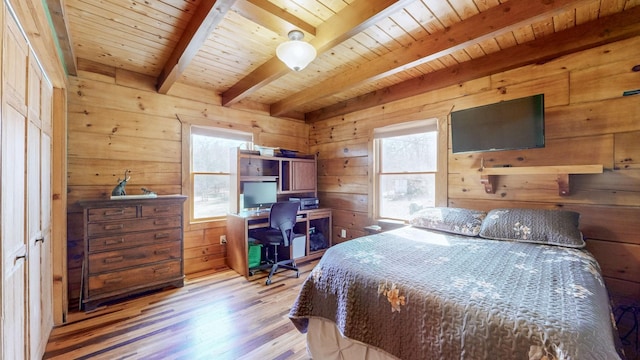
x=282 y=219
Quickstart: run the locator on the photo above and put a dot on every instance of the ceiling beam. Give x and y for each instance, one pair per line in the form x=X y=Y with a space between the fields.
x=56 y=11
x=205 y=19
x=343 y=25
x=592 y=34
x=265 y=13
x=505 y=17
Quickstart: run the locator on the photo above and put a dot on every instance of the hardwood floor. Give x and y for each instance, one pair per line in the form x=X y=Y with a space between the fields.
x=218 y=316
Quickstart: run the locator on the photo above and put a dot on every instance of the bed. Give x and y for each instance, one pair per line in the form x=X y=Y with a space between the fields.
x=461 y=284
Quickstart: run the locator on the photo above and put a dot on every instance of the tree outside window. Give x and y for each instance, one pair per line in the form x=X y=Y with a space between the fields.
x=406 y=165
x=210 y=170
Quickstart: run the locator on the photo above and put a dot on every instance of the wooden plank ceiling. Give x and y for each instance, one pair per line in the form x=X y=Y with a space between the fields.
x=369 y=51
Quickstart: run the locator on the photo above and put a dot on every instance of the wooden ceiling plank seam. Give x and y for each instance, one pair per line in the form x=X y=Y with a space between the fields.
x=464 y=8
x=605 y=30
x=458 y=36
x=98 y=31
x=280 y=25
x=208 y=15
x=97 y=19
x=340 y=27
x=423 y=16
x=126 y=16
x=172 y=15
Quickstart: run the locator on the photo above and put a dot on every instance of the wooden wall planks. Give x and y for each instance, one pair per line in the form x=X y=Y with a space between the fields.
x=587 y=122
x=117 y=121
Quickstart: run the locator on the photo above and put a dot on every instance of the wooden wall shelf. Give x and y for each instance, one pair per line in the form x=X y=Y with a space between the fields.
x=488 y=175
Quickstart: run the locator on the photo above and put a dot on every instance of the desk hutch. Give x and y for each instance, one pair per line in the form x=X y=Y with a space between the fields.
x=295 y=177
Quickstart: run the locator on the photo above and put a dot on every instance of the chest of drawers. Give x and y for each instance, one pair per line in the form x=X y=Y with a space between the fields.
x=131 y=246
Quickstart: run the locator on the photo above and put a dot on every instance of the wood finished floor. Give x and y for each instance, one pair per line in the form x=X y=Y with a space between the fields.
x=218 y=316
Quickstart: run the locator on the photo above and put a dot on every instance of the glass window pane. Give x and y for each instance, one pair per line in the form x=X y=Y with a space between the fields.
x=402 y=195
x=415 y=153
x=211 y=154
x=210 y=195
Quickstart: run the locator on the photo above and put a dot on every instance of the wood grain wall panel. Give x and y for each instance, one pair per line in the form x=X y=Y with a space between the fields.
x=355 y=166
x=117 y=121
x=587 y=122
x=97 y=120
x=627 y=148
x=617 y=260
x=143 y=173
x=605 y=81
x=603 y=117
x=345 y=183
x=340 y=149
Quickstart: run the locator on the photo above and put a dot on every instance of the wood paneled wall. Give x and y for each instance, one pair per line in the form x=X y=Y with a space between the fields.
x=588 y=121
x=117 y=121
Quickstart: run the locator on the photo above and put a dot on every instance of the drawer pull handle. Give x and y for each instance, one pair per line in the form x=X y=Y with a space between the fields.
x=162 y=235
x=160 y=222
x=162 y=270
x=113 y=280
x=112 y=260
x=114 y=241
x=160 y=210
x=162 y=251
x=114 y=212
x=40 y=239
x=114 y=227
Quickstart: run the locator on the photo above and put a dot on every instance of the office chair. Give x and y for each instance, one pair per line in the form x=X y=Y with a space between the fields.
x=282 y=219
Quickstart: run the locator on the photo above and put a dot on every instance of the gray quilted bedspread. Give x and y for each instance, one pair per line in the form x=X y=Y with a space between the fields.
x=418 y=294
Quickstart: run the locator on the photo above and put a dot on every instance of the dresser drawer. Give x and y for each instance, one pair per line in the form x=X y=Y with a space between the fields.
x=133 y=239
x=112 y=213
x=161 y=210
x=125 y=226
x=133 y=278
x=120 y=259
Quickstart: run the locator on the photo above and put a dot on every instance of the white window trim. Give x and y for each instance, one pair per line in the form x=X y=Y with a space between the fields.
x=438 y=124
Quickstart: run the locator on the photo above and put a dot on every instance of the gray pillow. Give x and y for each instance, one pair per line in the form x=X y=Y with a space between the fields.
x=551 y=227
x=453 y=220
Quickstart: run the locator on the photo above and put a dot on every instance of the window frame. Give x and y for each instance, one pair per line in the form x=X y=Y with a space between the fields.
x=246 y=137
x=405 y=128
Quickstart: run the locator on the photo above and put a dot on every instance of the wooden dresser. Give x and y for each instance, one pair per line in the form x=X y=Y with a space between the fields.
x=131 y=246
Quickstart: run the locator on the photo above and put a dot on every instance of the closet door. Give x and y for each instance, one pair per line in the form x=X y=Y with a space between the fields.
x=38 y=213
x=12 y=198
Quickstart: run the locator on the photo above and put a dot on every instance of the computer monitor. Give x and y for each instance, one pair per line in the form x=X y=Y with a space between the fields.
x=259 y=194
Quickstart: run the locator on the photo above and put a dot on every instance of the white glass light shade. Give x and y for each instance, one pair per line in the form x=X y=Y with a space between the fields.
x=296 y=54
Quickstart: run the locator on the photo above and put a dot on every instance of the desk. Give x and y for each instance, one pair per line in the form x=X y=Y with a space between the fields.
x=313 y=223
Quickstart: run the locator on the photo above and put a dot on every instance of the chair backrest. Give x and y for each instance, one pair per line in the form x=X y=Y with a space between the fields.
x=283 y=217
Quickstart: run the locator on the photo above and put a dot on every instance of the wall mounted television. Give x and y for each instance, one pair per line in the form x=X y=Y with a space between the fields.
x=507 y=125
x=259 y=194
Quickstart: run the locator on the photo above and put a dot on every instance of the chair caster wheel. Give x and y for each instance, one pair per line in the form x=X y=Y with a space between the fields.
x=268 y=282
x=297 y=274
x=251 y=273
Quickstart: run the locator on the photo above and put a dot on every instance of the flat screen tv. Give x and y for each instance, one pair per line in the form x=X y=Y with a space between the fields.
x=259 y=194
x=507 y=125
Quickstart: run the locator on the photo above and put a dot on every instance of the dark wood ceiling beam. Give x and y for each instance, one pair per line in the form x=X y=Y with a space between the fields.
x=505 y=17
x=592 y=34
x=206 y=17
x=340 y=27
x=265 y=13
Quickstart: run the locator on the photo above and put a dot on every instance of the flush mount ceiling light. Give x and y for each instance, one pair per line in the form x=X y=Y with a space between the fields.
x=295 y=53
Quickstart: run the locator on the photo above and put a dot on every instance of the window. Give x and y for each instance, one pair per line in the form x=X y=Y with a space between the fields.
x=210 y=168
x=405 y=168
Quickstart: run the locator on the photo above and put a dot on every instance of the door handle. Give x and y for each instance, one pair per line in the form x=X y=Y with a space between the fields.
x=21 y=257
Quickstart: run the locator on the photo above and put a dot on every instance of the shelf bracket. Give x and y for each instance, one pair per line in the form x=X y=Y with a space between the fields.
x=489 y=182
x=563 y=184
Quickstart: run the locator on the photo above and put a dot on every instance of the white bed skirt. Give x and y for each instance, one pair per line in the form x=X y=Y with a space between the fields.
x=324 y=342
